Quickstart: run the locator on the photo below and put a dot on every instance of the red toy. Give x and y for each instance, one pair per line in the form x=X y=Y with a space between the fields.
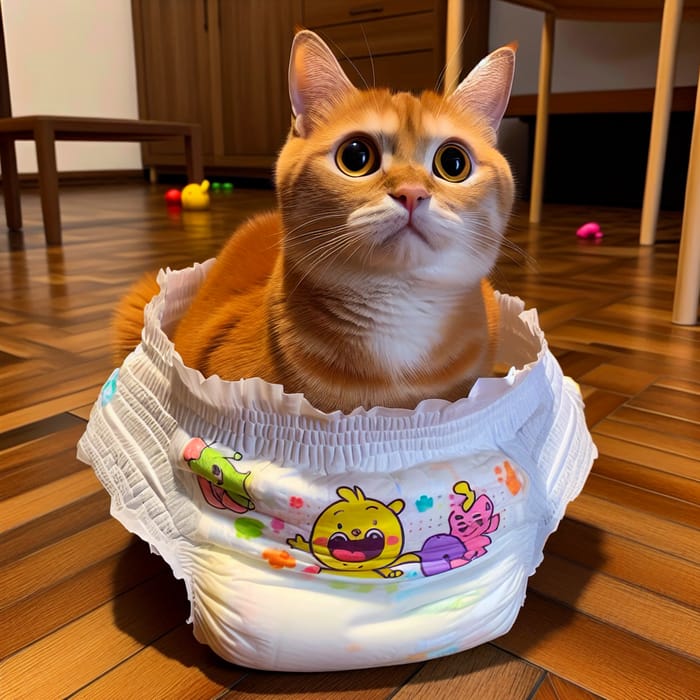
x=590 y=230
x=173 y=197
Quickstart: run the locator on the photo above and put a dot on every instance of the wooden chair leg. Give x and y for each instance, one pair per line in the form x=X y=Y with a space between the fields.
x=10 y=185
x=193 y=155
x=48 y=181
x=687 y=294
x=544 y=89
x=670 y=27
x=453 y=45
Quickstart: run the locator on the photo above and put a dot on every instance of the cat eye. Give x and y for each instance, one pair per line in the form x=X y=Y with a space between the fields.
x=357 y=157
x=452 y=163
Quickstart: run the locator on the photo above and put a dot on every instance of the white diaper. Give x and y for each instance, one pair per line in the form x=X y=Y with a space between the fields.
x=314 y=541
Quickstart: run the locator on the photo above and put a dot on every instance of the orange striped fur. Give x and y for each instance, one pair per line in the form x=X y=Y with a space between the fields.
x=363 y=288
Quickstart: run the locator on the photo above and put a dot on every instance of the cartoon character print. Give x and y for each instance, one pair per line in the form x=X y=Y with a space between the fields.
x=222 y=485
x=357 y=536
x=474 y=525
x=109 y=389
x=441 y=553
x=471 y=520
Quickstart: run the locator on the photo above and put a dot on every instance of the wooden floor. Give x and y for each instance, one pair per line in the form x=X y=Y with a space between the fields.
x=613 y=610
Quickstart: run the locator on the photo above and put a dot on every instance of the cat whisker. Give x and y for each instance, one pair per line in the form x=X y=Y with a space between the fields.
x=325 y=252
x=452 y=58
x=315 y=219
x=316 y=237
x=295 y=241
x=301 y=237
x=312 y=223
x=371 y=58
x=316 y=250
x=481 y=232
x=351 y=63
x=513 y=251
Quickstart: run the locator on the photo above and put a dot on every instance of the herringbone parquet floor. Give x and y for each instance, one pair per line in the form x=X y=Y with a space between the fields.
x=613 y=610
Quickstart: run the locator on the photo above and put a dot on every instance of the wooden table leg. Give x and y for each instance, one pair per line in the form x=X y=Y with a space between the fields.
x=687 y=294
x=48 y=181
x=193 y=155
x=663 y=96
x=10 y=184
x=544 y=88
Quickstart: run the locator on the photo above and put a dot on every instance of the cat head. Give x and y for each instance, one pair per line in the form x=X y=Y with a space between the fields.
x=383 y=183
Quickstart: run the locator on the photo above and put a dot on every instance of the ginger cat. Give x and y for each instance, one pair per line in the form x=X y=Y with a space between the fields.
x=367 y=286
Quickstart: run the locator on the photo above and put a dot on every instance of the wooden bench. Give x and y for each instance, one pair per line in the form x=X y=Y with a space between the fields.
x=46 y=130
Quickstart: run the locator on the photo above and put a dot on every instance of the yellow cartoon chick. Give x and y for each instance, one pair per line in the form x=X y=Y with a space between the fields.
x=196 y=197
x=357 y=536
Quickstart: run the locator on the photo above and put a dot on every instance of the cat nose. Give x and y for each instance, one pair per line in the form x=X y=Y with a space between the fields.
x=410 y=196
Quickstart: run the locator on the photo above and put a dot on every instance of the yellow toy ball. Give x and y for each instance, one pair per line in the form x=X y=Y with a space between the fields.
x=196 y=197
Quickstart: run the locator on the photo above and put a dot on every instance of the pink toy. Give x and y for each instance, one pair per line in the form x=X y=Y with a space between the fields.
x=590 y=230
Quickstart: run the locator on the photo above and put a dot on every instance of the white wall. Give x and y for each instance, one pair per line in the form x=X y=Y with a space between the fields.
x=591 y=55
x=73 y=57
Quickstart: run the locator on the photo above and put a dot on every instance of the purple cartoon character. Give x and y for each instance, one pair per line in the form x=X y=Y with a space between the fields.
x=441 y=553
x=471 y=521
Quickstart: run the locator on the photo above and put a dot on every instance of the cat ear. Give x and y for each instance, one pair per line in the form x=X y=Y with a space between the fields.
x=316 y=81
x=486 y=90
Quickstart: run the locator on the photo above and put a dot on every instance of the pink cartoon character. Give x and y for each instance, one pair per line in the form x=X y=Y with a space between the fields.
x=471 y=521
x=473 y=525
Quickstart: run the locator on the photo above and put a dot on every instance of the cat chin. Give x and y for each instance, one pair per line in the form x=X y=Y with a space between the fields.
x=450 y=269
x=409 y=240
x=399 y=243
x=402 y=252
x=431 y=253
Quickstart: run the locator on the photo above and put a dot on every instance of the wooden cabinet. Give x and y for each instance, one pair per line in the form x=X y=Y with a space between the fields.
x=396 y=43
x=174 y=71
x=223 y=64
x=256 y=38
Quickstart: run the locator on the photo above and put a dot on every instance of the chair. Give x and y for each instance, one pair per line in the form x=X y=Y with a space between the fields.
x=687 y=293
x=671 y=13
x=46 y=130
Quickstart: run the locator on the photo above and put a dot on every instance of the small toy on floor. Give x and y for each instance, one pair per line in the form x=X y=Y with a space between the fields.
x=173 y=197
x=222 y=186
x=196 y=197
x=590 y=230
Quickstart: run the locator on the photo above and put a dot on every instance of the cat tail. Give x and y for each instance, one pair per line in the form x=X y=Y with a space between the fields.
x=127 y=321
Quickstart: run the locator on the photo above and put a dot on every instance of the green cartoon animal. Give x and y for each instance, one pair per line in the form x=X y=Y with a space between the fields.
x=222 y=485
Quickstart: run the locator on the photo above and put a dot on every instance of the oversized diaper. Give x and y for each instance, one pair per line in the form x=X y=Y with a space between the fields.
x=314 y=541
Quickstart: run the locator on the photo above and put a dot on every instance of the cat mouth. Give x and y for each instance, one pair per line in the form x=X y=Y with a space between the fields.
x=409 y=230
